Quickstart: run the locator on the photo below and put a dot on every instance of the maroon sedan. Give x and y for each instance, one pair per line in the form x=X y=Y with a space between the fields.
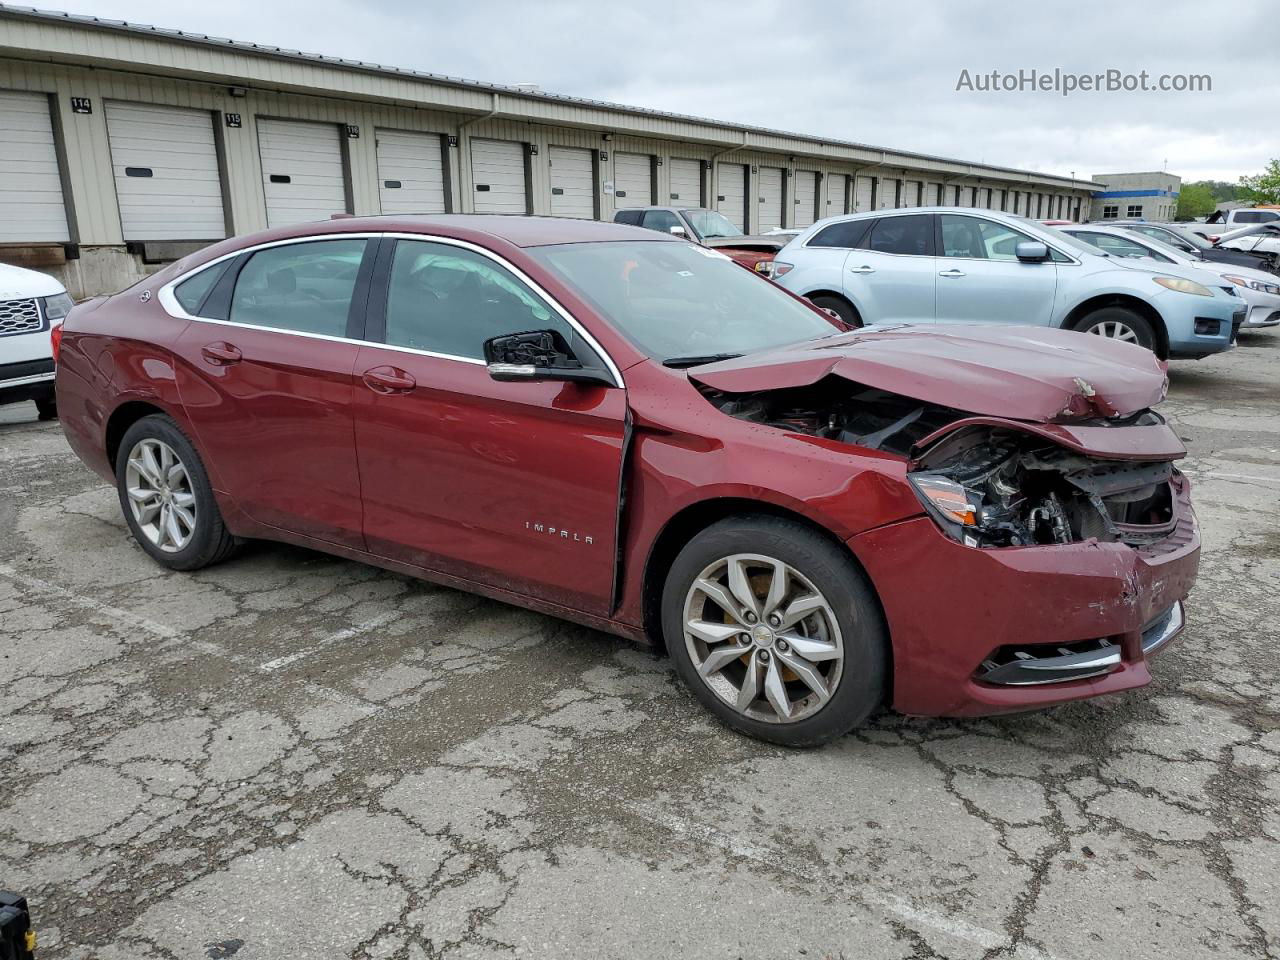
x=617 y=427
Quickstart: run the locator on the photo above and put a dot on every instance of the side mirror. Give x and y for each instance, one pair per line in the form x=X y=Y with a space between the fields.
x=1032 y=251
x=537 y=355
x=678 y=231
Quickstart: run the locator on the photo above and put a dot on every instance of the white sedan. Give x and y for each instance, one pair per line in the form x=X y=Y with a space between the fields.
x=1259 y=289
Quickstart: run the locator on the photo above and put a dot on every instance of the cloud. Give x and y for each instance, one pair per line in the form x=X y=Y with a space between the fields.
x=882 y=74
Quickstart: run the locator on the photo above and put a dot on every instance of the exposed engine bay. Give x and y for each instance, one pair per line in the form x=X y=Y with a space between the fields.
x=987 y=486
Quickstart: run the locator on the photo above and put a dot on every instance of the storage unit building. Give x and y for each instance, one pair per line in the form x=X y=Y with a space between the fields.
x=165 y=163
x=804 y=204
x=500 y=176
x=731 y=196
x=303 y=176
x=686 y=183
x=410 y=172
x=632 y=180
x=31 y=202
x=573 y=182
x=123 y=147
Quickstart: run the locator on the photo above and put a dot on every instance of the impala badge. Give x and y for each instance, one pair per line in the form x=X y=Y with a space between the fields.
x=560 y=532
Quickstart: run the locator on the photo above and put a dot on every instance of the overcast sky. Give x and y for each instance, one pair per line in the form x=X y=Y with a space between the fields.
x=878 y=73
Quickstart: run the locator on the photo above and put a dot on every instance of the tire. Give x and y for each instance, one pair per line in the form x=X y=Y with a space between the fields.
x=844 y=643
x=1134 y=327
x=840 y=306
x=185 y=494
x=47 y=408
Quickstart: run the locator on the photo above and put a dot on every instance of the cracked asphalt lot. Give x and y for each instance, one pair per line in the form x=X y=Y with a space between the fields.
x=292 y=756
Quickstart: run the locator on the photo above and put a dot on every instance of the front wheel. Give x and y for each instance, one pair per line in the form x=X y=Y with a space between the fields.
x=1119 y=323
x=775 y=630
x=166 y=497
x=842 y=308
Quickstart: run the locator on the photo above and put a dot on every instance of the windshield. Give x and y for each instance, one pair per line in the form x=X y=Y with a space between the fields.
x=677 y=300
x=1070 y=242
x=1197 y=241
x=709 y=224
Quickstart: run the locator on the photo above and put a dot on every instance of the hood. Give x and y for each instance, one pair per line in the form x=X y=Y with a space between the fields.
x=1253 y=230
x=1020 y=373
x=759 y=241
x=18 y=283
x=1185 y=271
x=1224 y=269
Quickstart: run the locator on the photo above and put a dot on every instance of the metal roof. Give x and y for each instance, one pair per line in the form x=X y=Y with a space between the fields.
x=516 y=91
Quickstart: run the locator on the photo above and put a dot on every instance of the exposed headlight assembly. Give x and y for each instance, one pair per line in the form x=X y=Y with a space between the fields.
x=1183 y=286
x=57 y=306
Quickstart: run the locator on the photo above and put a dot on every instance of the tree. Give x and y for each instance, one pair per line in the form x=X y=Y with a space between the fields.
x=1195 y=200
x=1264 y=187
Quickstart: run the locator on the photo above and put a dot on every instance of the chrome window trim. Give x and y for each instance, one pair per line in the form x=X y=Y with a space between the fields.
x=169 y=301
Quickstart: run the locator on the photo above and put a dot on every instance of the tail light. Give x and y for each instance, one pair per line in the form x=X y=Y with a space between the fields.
x=55 y=340
x=781 y=269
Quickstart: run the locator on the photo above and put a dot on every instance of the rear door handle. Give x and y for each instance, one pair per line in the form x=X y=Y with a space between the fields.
x=862 y=269
x=221 y=353
x=951 y=273
x=388 y=380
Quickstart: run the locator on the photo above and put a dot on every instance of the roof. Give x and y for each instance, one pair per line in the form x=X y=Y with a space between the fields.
x=514 y=91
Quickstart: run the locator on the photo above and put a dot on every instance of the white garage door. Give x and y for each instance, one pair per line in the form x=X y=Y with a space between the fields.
x=862 y=195
x=410 y=172
x=302 y=175
x=769 y=211
x=806 y=198
x=686 y=183
x=632 y=180
x=911 y=193
x=887 y=194
x=837 y=184
x=572 y=182
x=31 y=205
x=166 y=172
x=498 y=172
x=731 y=193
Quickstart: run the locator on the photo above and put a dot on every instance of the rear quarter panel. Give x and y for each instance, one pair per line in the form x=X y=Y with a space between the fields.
x=115 y=352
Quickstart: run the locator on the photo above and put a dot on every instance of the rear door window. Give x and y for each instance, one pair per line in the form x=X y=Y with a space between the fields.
x=305 y=287
x=628 y=216
x=907 y=236
x=848 y=234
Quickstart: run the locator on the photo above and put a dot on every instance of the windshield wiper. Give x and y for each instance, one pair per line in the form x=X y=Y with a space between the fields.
x=679 y=363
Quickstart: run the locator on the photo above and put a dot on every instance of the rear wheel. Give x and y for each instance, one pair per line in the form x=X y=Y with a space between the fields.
x=775 y=630
x=845 y=310
x=1120 y=323
x=166 y=497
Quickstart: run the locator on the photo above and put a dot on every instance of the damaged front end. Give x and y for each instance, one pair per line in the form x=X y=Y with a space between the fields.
x=992 y=487
x=993 y=481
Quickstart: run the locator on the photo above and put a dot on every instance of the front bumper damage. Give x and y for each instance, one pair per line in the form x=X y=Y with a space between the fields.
x=1110 y=606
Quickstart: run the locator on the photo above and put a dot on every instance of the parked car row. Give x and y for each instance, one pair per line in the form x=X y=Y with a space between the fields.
x=625 y=428
x=948 y=265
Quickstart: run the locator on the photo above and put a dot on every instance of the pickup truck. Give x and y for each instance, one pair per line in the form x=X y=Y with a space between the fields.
x=711 y=229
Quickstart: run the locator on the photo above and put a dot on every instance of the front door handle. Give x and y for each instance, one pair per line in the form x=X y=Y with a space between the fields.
x=862 y=269
x=951 y=273
x=388 y=380
x=221 y=353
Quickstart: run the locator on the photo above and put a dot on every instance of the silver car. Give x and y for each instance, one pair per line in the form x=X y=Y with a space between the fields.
x=1259 y=289
x=965 y=265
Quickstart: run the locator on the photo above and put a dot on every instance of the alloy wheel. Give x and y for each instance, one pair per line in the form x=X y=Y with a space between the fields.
x=763 y=638
x=1116 y=330
x=160 y=495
